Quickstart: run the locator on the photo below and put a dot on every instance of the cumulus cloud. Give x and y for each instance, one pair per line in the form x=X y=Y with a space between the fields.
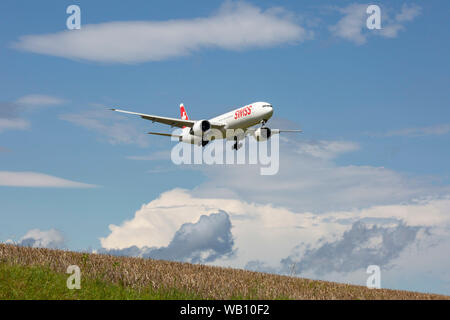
x=352 y=26
x=309 y=198
x=360 y=211
x=114 y=128
x=409 y=257
x=36 y=238
x=236 y=26
x=358 y=248
x=203 y=241
x=155 y=223
x=38 y=180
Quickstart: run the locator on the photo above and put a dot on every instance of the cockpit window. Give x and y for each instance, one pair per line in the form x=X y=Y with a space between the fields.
x=267 y=105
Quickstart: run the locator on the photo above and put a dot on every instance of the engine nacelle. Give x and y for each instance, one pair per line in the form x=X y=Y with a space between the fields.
x=262 y=134
x=200 y=127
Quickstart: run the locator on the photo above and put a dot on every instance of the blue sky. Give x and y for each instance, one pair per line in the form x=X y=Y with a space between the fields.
x=373 y=107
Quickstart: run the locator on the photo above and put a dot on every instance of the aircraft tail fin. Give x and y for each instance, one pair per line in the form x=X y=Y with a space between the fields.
x=184 y=115
x=183 y=112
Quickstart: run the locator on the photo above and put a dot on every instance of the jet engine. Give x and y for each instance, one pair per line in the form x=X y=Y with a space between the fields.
x=200 y=127
x=262 y=134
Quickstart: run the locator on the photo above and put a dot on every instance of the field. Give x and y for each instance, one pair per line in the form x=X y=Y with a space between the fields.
x=35 y=273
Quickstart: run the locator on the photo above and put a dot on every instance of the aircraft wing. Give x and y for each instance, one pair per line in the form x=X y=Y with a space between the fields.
x=173 y=122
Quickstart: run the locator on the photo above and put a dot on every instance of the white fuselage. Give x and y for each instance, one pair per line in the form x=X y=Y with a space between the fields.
x=240 y=118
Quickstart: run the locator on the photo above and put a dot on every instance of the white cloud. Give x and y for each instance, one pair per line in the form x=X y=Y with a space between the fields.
x=36 y=238
x=421 y=267
x=266 y=233
x=394 y=26
x=310 y=200
x=236 y=26
x=307 y=183
x=352 y=26
x=13 y=124
x=408 y=13
x=326 y=149
x=35 y=100
x=34 y=179
x=155 y=224
x=204 y=241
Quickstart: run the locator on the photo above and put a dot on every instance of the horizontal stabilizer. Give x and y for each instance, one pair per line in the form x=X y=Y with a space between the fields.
x=275 y=131
x=165 y=134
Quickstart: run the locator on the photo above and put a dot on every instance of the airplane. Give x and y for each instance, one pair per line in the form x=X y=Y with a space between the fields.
x=201 y=132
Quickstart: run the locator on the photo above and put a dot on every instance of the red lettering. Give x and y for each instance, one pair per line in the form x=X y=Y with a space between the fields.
x=243 y=112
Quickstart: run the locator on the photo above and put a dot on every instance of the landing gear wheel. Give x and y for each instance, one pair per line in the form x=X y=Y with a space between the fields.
x=236 y=144
x=204 y=143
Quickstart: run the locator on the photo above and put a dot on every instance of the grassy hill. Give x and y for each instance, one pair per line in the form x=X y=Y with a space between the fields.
x=32 y=273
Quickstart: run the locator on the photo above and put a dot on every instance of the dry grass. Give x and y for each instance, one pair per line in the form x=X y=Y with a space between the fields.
x=201 y=281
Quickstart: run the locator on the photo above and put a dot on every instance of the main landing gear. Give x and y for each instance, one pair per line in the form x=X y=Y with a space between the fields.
x=236 y=144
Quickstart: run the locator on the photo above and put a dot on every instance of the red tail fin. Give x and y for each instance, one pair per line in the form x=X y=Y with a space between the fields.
x=183 y=112
x=184 y=115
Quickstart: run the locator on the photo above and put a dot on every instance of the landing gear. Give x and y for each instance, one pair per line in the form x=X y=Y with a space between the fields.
x=236 y=144
x=263 y=123
x=204 y=142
